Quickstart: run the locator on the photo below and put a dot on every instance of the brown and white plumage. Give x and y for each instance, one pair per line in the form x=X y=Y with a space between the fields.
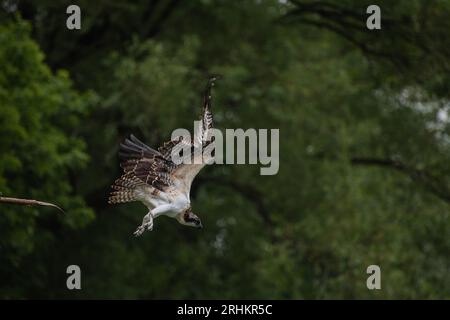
x=153 y=178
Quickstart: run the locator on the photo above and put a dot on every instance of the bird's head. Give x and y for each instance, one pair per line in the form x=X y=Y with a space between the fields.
x=189 y=218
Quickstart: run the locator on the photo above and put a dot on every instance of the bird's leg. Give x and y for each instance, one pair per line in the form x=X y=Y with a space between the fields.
x=147 y=224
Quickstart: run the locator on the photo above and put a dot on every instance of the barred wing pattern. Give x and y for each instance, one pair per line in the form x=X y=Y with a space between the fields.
x=204 y=131
x=202 y=139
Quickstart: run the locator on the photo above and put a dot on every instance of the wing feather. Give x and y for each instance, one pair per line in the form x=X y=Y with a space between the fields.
x=203 y=131
x=203 y=137
x=146 y=164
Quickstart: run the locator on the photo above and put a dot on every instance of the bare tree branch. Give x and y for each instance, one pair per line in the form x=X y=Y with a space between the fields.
x=350 y=24
x=247 y=191
x=163 y=11
x=427 y=180
x=28 y=202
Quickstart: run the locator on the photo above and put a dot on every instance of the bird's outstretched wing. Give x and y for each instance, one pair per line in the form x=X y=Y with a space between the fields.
x=145 y=166
x=203 y=132
x=149 y=166
x=186 y=172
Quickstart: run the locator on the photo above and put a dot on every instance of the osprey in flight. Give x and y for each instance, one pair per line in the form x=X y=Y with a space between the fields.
x=161 y=184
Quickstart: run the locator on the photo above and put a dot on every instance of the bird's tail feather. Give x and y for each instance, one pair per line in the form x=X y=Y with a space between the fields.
x=124 y=189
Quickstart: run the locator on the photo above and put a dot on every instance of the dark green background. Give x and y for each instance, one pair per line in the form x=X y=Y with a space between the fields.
x=364 y=147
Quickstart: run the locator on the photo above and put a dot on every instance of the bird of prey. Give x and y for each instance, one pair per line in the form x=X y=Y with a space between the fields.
x=155 y=179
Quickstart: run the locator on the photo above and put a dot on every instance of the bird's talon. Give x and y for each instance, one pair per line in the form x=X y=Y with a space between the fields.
x=139 y=231
x=142 y=228
x=149 y=226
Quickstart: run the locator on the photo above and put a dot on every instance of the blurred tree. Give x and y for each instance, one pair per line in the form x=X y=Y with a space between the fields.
x=40 y=154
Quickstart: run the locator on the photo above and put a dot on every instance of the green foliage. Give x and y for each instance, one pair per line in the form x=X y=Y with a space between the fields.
x=364 y=149
x=39 y=149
